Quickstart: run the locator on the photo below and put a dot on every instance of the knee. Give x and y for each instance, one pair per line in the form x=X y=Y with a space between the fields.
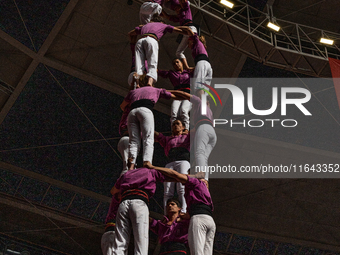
x=180 y=191
x=180 y=54
x=168 y=194
x=184 y=113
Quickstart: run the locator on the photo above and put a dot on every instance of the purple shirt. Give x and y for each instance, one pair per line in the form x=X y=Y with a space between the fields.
x=198 y=47
x=176 y=77
x=172 y=2
x=112 y=209
x=169 y=142
x=147 y=92
x=132 y=47
x=184 y=15
x=123 y=121
x=196 y=110
x=196 y=192
x=157 y=28
x=176 y=232
x=140 y=178
x=160 y=2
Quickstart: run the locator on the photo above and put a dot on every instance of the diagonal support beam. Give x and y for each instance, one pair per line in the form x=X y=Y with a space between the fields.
x=36 y=57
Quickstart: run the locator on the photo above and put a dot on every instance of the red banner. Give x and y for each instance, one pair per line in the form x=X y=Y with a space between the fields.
x=335 y=68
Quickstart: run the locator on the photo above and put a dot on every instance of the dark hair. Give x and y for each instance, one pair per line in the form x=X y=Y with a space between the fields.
x=203 y=41
x=175 y=200
x=172 y=61
x=157 y=18
x=143 y=80
x=179 y=121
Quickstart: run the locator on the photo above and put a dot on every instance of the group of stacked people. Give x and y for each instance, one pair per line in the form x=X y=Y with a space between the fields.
x=188 y=222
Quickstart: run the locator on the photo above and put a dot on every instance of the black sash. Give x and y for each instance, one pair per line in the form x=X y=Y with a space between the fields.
x=178 y=153
x=142 y=103
x=183 y=87
x=110 y=225
x=124 y=132
x=200 y=57
x=203 y=120
x=173 y=248
x=154 y=36
x=200 y=209
x=135 y=194
x=188 y=22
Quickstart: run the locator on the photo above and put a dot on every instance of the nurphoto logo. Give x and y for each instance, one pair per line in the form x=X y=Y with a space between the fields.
x=302 y=96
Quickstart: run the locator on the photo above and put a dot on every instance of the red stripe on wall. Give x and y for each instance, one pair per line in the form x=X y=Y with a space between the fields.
x=335 y=68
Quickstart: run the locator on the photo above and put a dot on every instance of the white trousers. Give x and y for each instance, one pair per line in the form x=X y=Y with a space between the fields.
x=204 y=143
x=123 y=148
x=141 y=120
x=184 y=44
x=201 y=234
x=180 y=110
x=107 y=242
x=130 y=77
x=203 y=73
x=181 y=166
x=147 y=10
x=147 y=48
x=132 y=214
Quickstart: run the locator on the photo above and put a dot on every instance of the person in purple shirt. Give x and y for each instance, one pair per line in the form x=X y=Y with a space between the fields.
x=147 y=45
x=203 y=71
x=184 y=17
x=149 y=9
x=109 y=234
x=200 y=207
x=132 y=76
x=172 y=231
x=123 y=144
x=136 y=187
x=154 y=8
x=141 y=120
x=204 y=134
x=177 y=149
x=180 y=79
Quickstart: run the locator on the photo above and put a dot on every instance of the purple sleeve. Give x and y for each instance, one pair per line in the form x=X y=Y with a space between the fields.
x=195 y=38
x=127 y=98
x=132 y=47
x=191 y=182
x=118 y=183
x=174 y=18
x=185 y=5
x=169 y=29
x=138 y=30
x=160 y=2
x=163 y=74
x=154 y=226
x=195 y=100
x=159 y=176
x=161 y=139
x=165 y=94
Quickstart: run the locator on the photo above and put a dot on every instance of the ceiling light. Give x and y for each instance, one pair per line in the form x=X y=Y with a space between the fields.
x=273 y=26
x=326 y=41
x=227 y=3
